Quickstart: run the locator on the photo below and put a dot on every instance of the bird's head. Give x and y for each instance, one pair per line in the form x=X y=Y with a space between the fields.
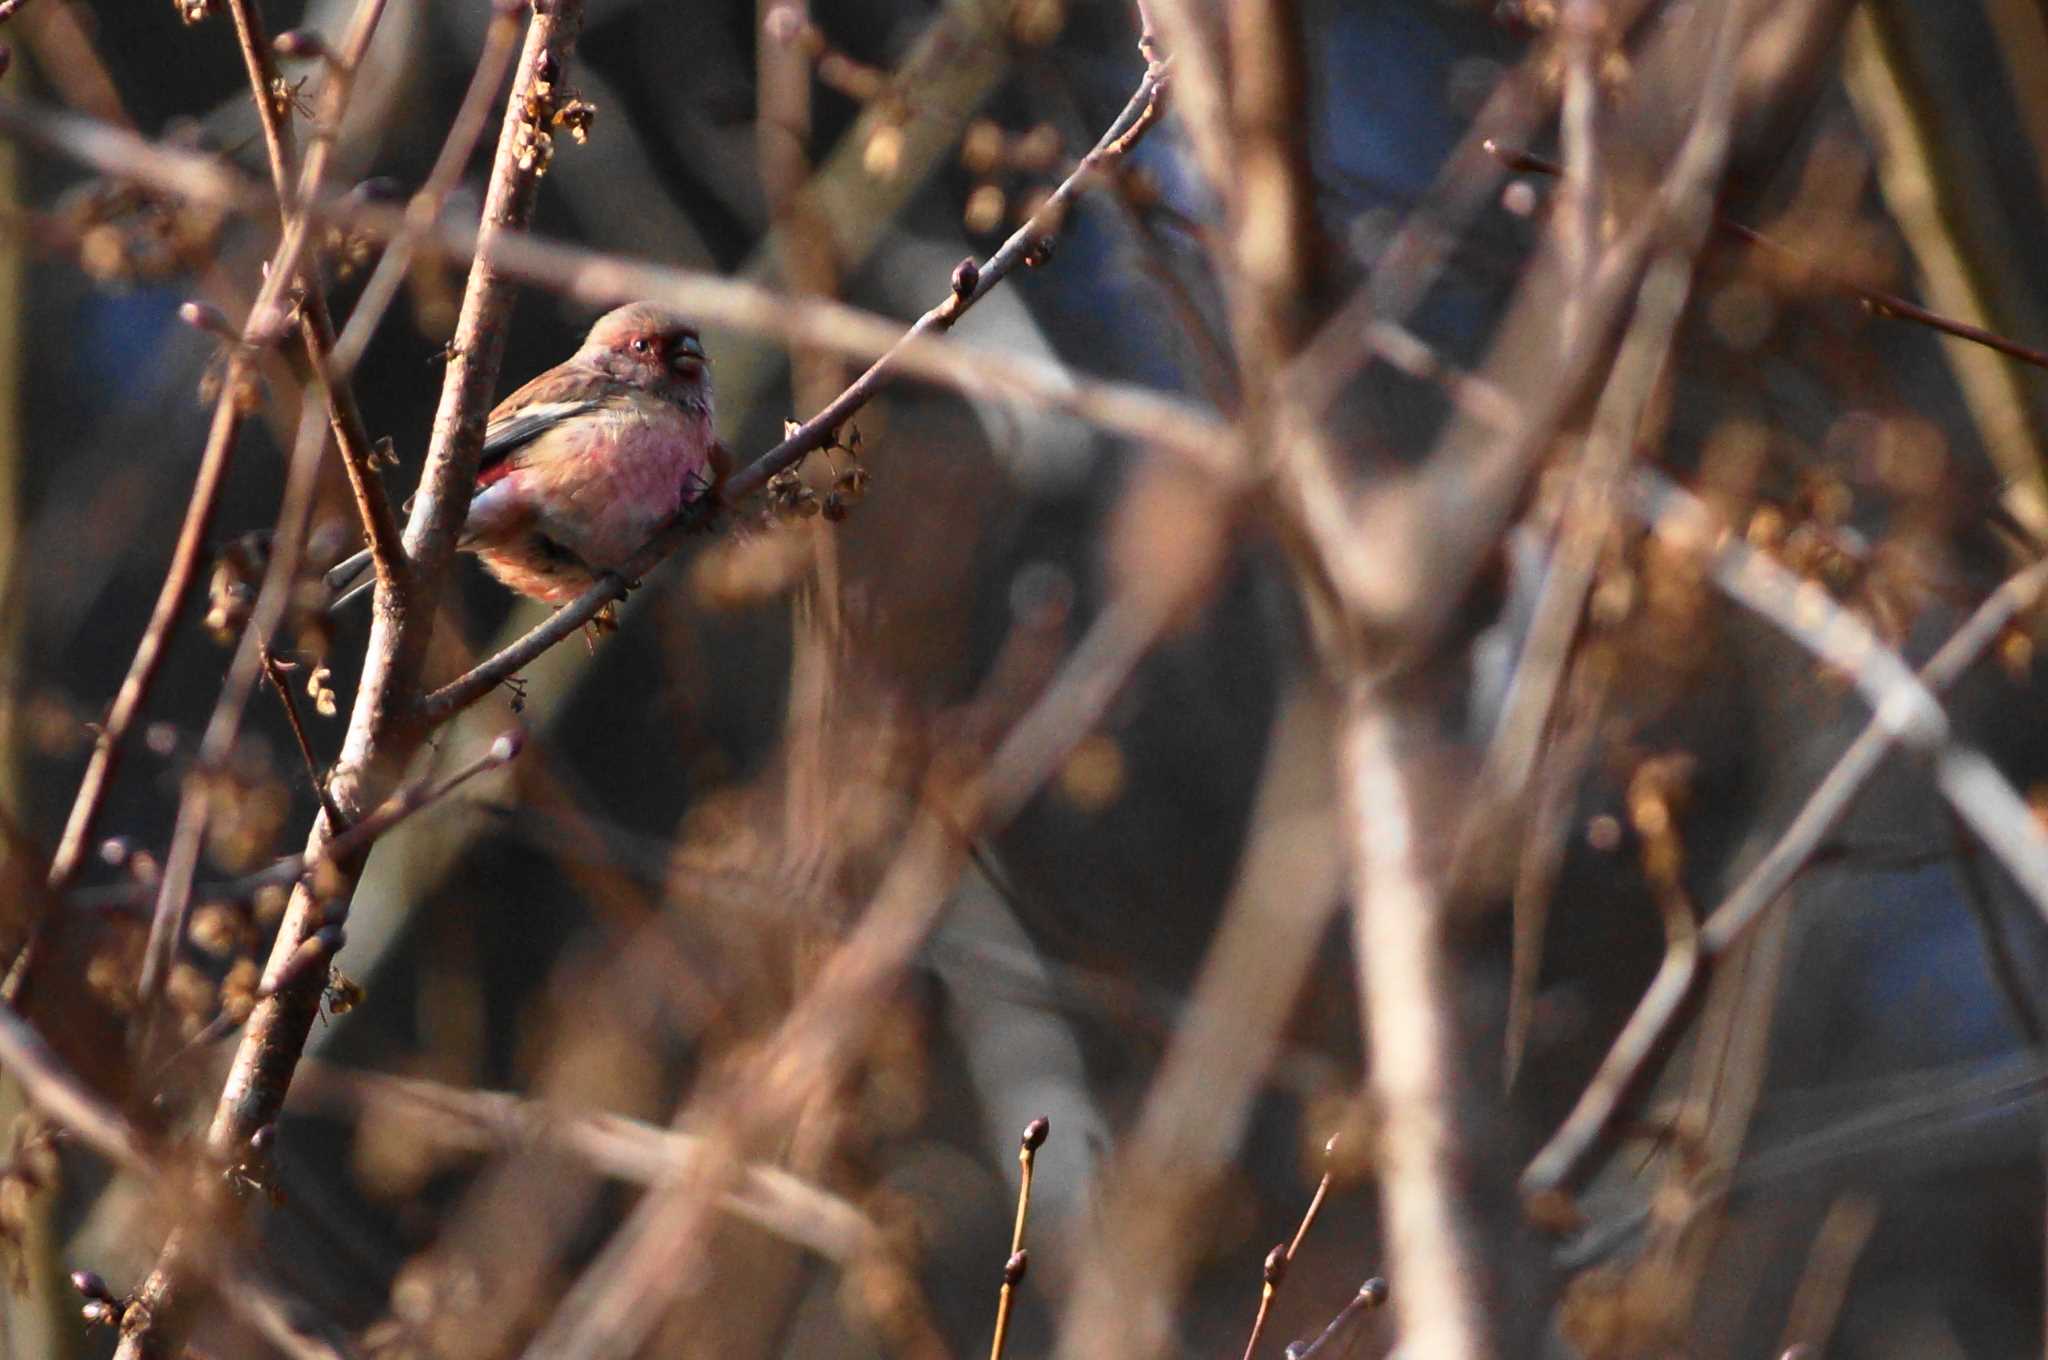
x=650 y=347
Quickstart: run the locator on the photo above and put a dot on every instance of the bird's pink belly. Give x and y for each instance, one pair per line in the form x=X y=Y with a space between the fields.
x=588 y=508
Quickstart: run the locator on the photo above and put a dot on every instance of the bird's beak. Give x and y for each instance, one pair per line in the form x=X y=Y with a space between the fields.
x=688 y=349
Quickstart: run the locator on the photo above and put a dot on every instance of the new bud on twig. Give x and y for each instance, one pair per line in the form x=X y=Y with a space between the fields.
x=204 y=316
x=508 y=744
x=966 y=276
x=783 y=24
x=1276 y=1265
x=1035 y=1132
x=1014 y=1268
x=89 y=1284
x=1373 y=1293
x=303 y=44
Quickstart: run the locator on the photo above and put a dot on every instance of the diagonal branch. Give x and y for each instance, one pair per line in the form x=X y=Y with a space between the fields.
x=174 y=899
x=381 y=737
x=970 y=285
x=1649 y=1033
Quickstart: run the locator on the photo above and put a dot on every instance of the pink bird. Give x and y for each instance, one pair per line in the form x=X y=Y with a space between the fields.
x=584 y=464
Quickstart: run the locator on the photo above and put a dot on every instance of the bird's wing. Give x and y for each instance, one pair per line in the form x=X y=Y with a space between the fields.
x=518 y=427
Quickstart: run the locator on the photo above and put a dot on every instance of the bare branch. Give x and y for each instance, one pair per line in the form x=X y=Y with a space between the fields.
x=630 y=1149
x=380 y=737
x=658 y=1253
x=1649 y=1032
x=971 y=284
x=423 y=210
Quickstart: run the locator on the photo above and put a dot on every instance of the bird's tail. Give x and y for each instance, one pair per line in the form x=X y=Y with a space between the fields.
x=351 y=577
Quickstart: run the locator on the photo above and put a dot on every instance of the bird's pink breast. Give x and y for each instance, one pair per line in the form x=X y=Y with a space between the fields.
x=598 y=487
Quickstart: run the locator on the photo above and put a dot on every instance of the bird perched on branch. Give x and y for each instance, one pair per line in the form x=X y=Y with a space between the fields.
x=584 y=464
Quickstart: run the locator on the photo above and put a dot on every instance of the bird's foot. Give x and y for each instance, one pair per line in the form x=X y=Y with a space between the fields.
x=699 y=512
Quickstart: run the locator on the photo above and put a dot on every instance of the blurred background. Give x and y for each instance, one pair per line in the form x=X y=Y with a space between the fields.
x=710 y=796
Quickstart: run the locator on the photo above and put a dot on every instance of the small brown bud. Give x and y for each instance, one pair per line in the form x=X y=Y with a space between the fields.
x=90 y=1285
x=966 y=277
x=204 y=316
x=1276 y=1265
x=1014 y=1268
x=1373 y=1292
x=1035 y=1132
x=302 y=44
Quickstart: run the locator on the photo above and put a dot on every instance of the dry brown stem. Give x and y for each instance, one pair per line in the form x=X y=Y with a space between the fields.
x=382 y=734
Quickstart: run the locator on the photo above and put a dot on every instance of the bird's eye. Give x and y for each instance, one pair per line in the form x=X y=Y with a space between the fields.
x=641 y=346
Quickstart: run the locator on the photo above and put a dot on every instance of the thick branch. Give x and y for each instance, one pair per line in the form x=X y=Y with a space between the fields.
x=381 y=739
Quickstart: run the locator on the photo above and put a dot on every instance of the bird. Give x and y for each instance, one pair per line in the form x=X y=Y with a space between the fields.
x=584 y=464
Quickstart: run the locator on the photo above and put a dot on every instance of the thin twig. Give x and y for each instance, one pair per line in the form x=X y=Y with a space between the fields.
x=597 y=280
x=1646 y=1037
x=298 y=187
x=659 y=1252
x=1274 y=1271
x=58 y=1092
x=263 y=329
x=423 y=210
x=1370 y=1298
x=1940 y=1111
x=970 y=285
x=629 y=1149
x=1019 y=1261
x=353 y=838
x=1875 y=300
x=149 y=652
x=380 y=737
x=273 y=671
x=104 y=762
x=2016 y=983
x=356 y=837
